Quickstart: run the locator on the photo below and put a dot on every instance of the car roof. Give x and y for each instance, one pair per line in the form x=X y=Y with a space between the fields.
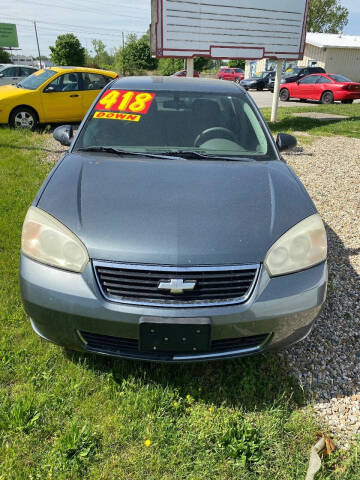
x=16 y=65
x=176 y=84
x=60 y=69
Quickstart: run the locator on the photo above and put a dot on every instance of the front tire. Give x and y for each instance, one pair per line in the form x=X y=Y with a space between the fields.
x=23 y=118
x=327 y=98
x=284 y=95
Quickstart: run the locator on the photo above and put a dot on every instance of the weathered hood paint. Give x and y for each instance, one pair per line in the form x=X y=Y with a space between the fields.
x=178 y=212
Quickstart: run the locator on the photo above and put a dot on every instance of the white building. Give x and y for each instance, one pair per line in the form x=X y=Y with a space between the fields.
x=336 y=53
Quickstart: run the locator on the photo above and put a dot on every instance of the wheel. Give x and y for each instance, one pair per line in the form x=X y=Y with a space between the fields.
x=347 y=101
x=259 y=89
x=327 y=97
x=284 y=95
x=23 y=117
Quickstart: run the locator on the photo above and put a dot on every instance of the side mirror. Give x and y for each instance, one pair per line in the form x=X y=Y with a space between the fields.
x=64 y=134
x=49 y=89
x=285 y=142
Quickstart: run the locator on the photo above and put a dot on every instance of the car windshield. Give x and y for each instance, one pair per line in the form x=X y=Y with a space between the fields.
x=174 y=122
x=293 y=71
x=339 y=78
x=238 y=70
x=36 y=79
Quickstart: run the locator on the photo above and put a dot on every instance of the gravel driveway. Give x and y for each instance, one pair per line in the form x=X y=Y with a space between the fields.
x=328 y=361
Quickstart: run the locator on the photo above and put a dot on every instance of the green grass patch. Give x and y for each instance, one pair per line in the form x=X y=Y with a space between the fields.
x=68 y=416
x=287 y=122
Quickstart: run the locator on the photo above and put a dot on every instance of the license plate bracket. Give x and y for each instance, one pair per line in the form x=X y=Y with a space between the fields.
x=177 y=335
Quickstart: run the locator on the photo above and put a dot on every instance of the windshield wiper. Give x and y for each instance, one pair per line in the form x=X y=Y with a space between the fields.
x=124 y=153
x=192 y=154
x=173 y=154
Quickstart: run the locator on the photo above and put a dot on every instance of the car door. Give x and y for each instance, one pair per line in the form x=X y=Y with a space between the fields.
x=305 y=87
x=62 y=99
x=92 y=84
x=9 y=75
x=227 y=75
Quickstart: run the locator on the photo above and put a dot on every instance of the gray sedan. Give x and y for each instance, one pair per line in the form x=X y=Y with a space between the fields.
x=11 y=74
x=172 y=230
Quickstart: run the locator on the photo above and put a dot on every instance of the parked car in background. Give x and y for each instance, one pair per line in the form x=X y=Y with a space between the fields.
x=127 y=251
x=54 y=95
x=11 y=74
x=325 y=88
x=258 y=83
x=297 y=73
x=182 y=73
x=232 y=74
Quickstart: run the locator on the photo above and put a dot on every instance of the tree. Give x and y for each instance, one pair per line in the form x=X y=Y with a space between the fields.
x=237 y=64
x=168 y=66
x=68 y=51
x=135 y=57
x=327 y=16
x=4 y=56
x=102 y=57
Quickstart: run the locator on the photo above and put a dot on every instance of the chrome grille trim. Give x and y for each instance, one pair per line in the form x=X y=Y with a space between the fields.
x=177 y=270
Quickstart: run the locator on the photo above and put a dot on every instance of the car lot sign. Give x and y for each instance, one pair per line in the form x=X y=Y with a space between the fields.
x=246 y=29
x=8 y=35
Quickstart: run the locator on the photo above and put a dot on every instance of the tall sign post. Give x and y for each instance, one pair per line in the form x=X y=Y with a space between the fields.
x=228 y=29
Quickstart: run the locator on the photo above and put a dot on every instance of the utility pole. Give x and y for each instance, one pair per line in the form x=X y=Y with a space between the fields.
x=275 y=100
x=37 y=41
x=122 y=54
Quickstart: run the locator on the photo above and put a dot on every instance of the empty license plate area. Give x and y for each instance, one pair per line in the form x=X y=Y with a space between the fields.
x=174 y=335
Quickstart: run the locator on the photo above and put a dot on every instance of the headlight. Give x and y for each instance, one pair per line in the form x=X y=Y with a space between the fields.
x=48 y=241
x=303 y=246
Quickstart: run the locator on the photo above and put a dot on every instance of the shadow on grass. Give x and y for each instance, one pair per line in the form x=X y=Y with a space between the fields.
x=305 y=124
x=251 y=383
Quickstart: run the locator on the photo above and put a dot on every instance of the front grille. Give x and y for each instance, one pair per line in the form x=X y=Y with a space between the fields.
x=130 y=346
x=139 y=284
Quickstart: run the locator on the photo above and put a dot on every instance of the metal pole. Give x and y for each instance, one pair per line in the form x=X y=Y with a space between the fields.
x=122 y=54
x=190 y=67
x=275 y=100
x=37 y=41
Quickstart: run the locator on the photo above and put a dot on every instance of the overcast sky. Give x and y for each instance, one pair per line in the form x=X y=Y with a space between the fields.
x=90 y=19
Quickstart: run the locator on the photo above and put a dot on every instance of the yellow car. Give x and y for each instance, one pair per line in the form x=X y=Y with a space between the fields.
x=54 y=95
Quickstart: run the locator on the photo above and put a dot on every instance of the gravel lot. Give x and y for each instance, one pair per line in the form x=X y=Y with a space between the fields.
x=328 y=361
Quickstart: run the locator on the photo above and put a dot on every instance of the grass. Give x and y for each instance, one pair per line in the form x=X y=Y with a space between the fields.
x=68 y=416
x=288 y=123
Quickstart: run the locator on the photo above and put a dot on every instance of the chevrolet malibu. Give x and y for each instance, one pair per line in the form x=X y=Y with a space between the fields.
x=173 y=230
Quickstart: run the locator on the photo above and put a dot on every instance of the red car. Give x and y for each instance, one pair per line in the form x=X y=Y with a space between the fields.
x=233 y=74
x=182 y=73
x=324 y=87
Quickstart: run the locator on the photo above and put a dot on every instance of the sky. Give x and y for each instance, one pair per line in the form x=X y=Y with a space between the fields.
x=90 y=19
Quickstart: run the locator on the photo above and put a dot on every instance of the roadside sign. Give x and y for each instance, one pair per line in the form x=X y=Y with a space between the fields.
x=8 y=35
x=245 y=29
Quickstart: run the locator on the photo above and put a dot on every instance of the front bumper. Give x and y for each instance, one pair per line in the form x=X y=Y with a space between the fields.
x=62 y=304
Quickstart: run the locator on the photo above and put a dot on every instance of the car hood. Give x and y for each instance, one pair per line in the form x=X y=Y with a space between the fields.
x=176 y=212
x=250 y=79
x=9 y=92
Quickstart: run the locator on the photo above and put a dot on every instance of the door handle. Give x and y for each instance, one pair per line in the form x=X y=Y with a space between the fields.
x=76 y=95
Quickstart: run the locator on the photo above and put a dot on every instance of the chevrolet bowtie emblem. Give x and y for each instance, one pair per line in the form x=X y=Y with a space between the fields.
x=177 y=285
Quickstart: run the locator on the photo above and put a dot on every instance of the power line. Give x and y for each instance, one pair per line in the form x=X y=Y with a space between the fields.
x=87 y=10
x=110 y=30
